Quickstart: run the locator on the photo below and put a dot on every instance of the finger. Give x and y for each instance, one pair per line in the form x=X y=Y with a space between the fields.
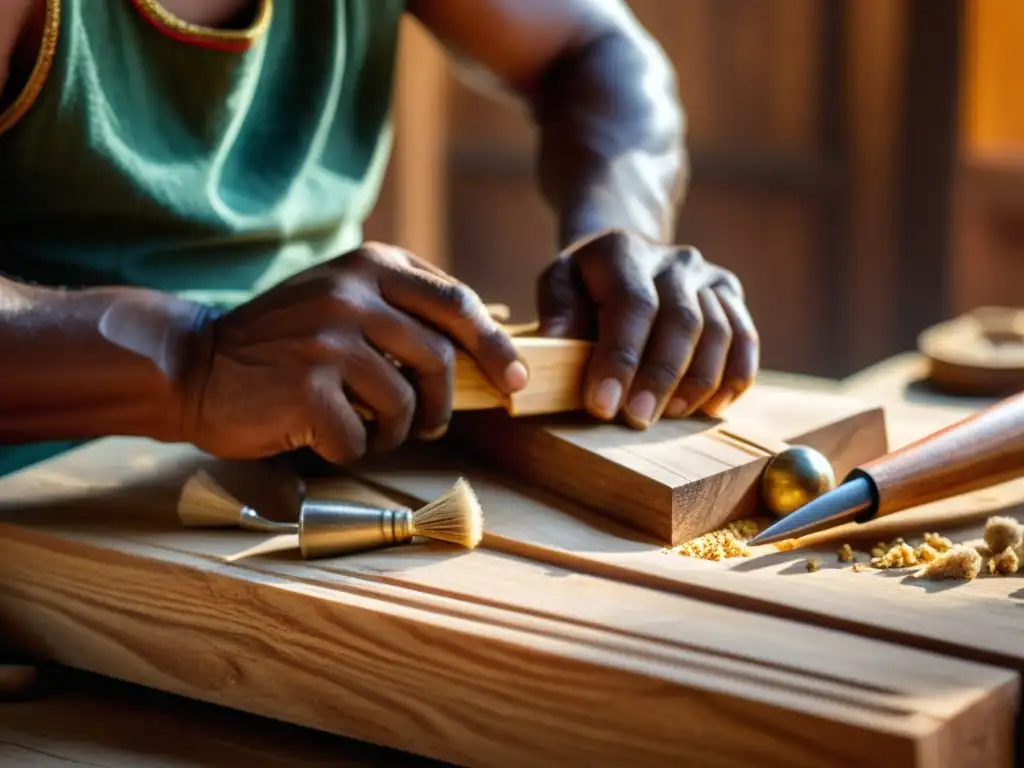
x=458 y=312
x=336 y=433
x=744 y=353
x=561 y=311
x=624 y=324
x=375 y=381
x=670 y=348
x=430 y=357
x=704 y=374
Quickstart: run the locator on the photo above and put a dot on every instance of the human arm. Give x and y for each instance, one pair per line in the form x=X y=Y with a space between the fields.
x=89 y=363
x=612 y=164
x=276 y=374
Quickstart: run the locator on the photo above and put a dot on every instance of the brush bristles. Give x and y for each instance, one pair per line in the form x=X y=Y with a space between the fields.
x=204 y=504
x=455 y=517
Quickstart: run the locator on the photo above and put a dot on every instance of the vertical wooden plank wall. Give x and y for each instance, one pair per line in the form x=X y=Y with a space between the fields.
x=989 y=267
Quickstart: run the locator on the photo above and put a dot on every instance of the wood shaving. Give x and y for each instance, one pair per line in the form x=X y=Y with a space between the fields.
x=1002 y=533
x=959 y=562
x=859 y=567
x=845 y=554
x=722 y=544
x=938 y=543
x=900 y=555
x=1005 y=562
x=812 y=565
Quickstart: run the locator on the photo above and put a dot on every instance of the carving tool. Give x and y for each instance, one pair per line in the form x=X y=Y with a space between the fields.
x=330 y=527
x=985 y=449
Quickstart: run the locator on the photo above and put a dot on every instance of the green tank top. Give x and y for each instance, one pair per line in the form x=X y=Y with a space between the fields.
x=211 y=164
x=208 y=163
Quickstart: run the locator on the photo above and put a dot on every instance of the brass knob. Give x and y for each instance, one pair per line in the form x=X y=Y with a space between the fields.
x=794 y=477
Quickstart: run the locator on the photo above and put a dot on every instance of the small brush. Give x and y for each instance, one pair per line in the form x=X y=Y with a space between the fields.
x=203 y=503
x=329 y=527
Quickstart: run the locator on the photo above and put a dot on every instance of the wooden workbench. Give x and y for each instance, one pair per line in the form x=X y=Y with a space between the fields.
x=115 y=719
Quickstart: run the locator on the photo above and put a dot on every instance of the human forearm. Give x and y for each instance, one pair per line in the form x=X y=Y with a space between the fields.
x=612 y=151
x=90 y=363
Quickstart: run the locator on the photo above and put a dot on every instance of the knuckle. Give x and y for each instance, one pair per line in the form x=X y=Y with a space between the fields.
x=701 y=384
x=460 y=301
x=623 y=358
x=746 y=336
x=686 y=317
x=717 y=329
x=441 y=352
x=687 y=256
x=640 y=300
x=661 y=373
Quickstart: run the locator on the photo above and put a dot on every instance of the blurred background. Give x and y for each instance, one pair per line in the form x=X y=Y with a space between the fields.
x=858 y=163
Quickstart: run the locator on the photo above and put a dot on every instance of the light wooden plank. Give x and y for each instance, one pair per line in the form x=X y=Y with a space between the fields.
x=479 y=658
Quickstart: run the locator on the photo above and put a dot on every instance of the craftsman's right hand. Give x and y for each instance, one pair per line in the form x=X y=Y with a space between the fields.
x=281 y=372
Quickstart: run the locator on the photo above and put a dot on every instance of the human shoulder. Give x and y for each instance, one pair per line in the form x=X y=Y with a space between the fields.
x=16 y=19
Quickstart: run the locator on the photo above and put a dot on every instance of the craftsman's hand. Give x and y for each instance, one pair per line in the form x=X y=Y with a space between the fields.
x=673 y=333
x=281 y=372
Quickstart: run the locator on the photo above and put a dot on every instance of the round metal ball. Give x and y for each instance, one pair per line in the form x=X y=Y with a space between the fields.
x=794 y=477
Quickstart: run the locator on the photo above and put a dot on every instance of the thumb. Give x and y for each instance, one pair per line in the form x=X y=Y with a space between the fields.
x=561 y=307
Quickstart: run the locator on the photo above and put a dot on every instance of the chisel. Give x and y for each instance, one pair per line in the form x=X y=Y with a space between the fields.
x=985 y=449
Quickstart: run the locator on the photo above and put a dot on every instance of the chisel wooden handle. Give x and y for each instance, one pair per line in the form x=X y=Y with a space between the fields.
x=984 y=449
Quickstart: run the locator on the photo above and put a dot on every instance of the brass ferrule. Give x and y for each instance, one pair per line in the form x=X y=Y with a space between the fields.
x=328 y=527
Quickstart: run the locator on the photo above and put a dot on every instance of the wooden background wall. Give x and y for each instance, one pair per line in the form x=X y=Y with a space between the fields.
x=824 y=138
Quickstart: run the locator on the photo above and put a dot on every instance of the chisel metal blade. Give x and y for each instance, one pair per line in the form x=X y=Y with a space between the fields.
x=844 y=504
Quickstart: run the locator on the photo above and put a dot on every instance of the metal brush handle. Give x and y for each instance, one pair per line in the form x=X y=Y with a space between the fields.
x=251 y=520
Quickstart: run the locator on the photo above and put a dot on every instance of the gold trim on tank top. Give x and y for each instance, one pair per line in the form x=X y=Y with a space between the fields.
x=40 y=70
x=236 y=40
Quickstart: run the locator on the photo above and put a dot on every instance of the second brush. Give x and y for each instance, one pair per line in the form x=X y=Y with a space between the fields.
x=331 y=527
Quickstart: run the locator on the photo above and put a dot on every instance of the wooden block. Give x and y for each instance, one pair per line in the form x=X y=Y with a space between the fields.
x=556 y=369
x=680 y=478
x=477 y=658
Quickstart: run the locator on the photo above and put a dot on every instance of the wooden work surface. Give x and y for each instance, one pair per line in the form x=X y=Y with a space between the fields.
x=87 y=720
x=412 y=647
x=983 y=619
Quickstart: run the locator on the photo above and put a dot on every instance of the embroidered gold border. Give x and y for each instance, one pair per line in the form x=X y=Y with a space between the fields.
x=232 y=39
x=40 y=71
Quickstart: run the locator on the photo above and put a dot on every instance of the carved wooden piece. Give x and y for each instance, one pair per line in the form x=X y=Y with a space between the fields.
x=680 y=478
x=477 y=658
x=980 y=353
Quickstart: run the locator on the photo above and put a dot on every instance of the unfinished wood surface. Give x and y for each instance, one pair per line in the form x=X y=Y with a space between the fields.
x=983 y=619
x=680 y=478
x=556 y=369
x=479 y=658
x=87 y=720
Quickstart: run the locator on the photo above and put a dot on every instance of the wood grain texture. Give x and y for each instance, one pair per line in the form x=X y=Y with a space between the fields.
x=478 y=658
x=680 y=478
x=87 y=720
x=556 y=369
x=980 y=620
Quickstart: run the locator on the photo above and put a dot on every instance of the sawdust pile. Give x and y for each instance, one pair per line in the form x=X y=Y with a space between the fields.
x=724 y=543
x=938 y=558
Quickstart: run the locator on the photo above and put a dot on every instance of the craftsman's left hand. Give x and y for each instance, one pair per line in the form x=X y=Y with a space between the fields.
x=673 y=332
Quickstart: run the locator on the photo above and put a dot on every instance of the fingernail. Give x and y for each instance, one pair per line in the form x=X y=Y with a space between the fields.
x=676 y=408
x=718 y=404
x=606 y=397
x=429 y=435
x=516 y=376
x=641 y=407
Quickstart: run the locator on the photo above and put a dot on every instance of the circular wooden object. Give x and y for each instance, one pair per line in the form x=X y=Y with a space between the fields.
x=980 y=354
